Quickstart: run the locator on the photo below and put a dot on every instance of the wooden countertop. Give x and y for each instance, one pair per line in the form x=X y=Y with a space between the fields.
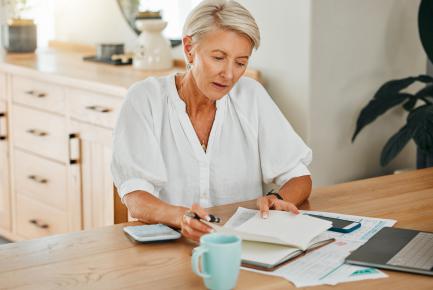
x=106 y=259
x=66 y=66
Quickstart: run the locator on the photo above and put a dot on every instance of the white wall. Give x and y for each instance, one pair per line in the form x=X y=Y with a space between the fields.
x=92 y=22
x=101 y=21
x=356 y=47
x=284 y=56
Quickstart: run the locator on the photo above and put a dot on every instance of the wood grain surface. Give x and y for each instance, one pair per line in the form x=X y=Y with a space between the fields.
x=106 y=258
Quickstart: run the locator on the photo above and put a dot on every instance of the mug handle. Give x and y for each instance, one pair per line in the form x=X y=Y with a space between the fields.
x=196 y=254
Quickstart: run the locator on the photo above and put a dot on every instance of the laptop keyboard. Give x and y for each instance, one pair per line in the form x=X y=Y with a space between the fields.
x=418 y=253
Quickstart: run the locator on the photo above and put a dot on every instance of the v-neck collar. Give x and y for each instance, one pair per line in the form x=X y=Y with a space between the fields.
x=186 y=123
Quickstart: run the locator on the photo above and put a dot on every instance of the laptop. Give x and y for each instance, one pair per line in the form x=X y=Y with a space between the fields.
x=397 y=249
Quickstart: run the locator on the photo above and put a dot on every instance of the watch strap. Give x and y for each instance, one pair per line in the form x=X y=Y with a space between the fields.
x=274 y=193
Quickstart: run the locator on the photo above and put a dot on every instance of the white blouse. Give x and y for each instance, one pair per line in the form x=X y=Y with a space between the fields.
x=156 y=149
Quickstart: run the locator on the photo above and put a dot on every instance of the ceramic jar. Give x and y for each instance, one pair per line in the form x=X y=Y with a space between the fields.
x=154 y=52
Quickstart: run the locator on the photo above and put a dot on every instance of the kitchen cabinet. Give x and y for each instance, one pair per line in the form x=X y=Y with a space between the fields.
x=61 y=144
x=61 y=125
x=45 y=203
x=95 y=178
x=5 y=202
x=93 y=116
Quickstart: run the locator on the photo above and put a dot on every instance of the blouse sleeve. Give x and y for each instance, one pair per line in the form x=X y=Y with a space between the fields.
x=283 y=154
x=137 y=162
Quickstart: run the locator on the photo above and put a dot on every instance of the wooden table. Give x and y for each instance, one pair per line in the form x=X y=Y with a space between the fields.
x=106 y=259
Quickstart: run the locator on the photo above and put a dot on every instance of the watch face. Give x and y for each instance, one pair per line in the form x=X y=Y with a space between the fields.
x=425 y=27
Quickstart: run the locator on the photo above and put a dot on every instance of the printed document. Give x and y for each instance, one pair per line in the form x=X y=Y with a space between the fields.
x=326 y=265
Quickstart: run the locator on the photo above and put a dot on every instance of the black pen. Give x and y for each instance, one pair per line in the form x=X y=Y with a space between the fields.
x=212 y=218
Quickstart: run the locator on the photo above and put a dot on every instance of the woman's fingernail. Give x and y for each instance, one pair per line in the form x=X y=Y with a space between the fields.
x=265 y=215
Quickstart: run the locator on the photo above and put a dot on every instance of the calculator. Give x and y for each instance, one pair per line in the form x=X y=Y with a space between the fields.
x=151 y=233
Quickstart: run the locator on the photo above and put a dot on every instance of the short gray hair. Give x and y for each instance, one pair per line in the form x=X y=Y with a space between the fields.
x=224 y=14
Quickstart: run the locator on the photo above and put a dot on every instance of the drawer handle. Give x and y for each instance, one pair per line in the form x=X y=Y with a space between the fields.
x=2 y=115
x=72 y=159
x=36 y=94
x=37 y=132
x=99 y=109
x=39 y=225
x=38 y=179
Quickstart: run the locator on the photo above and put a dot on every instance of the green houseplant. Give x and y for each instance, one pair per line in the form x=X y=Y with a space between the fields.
x=419 y=105
x=419 y=124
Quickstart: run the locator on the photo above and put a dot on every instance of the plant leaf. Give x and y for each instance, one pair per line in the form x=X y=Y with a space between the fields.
x=386 y=97
x=395 y=144
x=408 y=106
x=392 y=87
x=421 y=120
x=377 y=107
x=424 y=79
x=426 y=91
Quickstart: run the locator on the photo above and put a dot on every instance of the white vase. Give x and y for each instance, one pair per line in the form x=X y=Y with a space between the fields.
x=154 y=52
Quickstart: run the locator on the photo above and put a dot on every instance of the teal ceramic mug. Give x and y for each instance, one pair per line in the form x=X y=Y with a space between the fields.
x=220 y=257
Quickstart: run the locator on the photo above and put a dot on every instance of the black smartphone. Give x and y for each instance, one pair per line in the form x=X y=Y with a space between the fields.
x=339 y=225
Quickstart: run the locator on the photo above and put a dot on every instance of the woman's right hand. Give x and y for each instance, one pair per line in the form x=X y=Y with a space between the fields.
x=193 y=228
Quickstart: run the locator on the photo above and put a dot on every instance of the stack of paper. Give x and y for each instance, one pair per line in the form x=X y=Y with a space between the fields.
x=326 y=265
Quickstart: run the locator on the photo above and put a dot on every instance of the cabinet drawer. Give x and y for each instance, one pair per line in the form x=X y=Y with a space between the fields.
x=41 y=179
x=93 y=108
x=2 y=86
x=39 y=132
x=38 y=94
x=34 y=219
x=3 y=123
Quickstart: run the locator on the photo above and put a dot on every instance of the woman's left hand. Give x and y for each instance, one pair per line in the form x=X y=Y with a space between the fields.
x=265 y=203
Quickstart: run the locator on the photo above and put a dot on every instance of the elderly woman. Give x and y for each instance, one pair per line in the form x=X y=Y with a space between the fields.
x=209 y=136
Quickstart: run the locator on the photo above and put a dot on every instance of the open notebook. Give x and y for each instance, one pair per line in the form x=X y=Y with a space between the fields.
x=267 y=243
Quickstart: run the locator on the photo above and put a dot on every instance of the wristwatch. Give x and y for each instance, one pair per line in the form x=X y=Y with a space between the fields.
x=274 y=193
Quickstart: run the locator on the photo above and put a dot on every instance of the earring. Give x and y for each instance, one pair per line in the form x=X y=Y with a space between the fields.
x=189 y=64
